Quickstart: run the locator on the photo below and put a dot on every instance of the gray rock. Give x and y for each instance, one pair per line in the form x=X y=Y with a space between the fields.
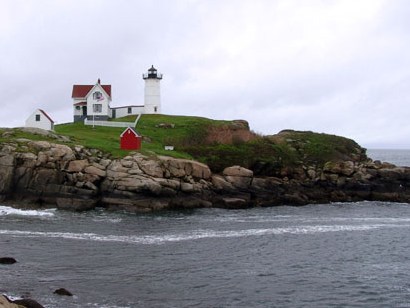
x=239 y=181
x=237 y=171
x=151 y=168
x=27 y=303
x=77 y=165
x=95 y=171
x=76 y=204
x=220 y=183
x=63 y=291
x=7 y=260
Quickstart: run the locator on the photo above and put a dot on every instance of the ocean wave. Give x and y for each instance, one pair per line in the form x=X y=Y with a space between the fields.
x=288 y=218
x=107 y=219
x=197 y=234
x=8 y=211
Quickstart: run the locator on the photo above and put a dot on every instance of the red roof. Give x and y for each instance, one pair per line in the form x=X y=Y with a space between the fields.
x=130 y=129
x=82 y=90
x=81 y=104
x=46 y=115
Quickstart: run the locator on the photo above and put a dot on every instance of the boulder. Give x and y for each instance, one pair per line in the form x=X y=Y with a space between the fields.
x=116 y=166
x=127 y=163
x=77 y=165
x=311 y=173
x=187 y=187
x=40 y=145
x=116 y=174
x=200 y=170
x=6 y=173
x=239 y=181
x=184 y=167
x=7 y=160
x=189 y=203
x=105 y=162
x=151 y=168
x=61 y=151
x=394 y=173
x=238 y=176
x=43 y=176
x=126 y=203
x=95 y=171
x=7 y=260
x=341 y=167
x=220 y=183
x=76 y=204
x=237 y=171
x=234 y=203
x=27 y=303
x=5 y=303
x=63 y=291
x=168 y=183
x=175 y=167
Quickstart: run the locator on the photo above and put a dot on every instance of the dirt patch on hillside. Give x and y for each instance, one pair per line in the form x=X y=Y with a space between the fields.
x=236 y=132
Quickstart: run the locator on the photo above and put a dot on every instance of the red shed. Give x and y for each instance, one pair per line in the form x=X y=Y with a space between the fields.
x=130 y=140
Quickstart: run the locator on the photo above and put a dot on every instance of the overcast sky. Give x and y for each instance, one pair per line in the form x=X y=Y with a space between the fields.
x=335 y=66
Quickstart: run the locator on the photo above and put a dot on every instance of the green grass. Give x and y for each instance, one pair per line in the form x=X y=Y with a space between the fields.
x=106 y=139
x=254 y=155
x=264 y=155
x=320 y=148
x=185 y=130
x=14 y=134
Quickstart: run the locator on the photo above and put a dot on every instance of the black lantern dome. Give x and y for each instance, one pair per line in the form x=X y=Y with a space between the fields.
x=152 y=74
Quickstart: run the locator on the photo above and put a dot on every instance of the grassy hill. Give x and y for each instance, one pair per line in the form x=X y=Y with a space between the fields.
x=217 y=143
x=157 y=131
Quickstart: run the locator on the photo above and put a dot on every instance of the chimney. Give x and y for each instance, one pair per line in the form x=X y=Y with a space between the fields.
x=99 y=81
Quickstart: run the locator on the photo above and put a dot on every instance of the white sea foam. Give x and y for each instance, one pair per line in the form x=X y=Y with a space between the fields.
x=8 y=211
x=106 y=219
x=197 y=234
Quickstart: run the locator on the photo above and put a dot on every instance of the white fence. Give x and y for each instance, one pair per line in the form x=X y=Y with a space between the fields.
x=112 y=123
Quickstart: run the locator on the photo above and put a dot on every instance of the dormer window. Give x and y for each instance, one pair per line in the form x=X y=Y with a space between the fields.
x=97 y=96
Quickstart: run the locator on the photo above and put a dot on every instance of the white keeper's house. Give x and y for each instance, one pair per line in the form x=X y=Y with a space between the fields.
x=92 y=102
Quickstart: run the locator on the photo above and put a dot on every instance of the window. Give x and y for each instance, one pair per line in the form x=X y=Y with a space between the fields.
x=37 y=118
x=155 y=109
x=77 y=107
x=97 y=108
x=129 y=110
x=97 y=96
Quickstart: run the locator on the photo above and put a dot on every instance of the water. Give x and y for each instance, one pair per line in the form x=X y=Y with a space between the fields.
x=396 y=157
x=351 y=254
x=336 y=255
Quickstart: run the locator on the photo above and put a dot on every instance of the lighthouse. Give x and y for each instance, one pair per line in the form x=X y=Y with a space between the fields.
x=152 y=91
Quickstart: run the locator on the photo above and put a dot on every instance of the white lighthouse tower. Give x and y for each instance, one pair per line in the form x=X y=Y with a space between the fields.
x=152 y=92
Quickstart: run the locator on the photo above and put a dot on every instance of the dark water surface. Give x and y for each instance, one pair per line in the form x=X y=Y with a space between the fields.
x=339 y=255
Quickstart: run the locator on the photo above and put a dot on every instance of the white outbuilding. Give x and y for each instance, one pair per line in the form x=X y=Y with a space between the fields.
x=40 y=119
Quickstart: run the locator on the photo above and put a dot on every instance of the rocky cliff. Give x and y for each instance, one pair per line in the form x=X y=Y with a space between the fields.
x=42 y=173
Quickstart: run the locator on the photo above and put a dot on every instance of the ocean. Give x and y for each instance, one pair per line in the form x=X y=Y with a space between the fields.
x=333 y=255
x=396 y=157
